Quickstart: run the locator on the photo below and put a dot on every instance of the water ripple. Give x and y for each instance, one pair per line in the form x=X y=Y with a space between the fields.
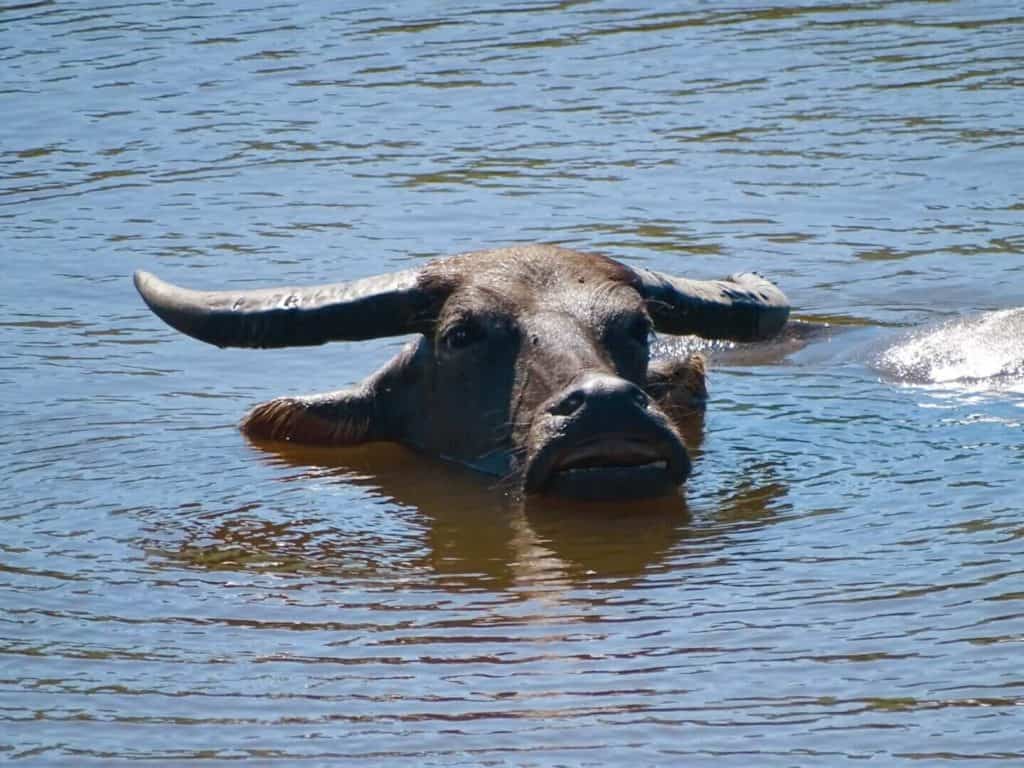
x=840 y=578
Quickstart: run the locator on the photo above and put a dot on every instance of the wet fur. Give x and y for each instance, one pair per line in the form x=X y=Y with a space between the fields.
x=504 y=339
x=336 y=418
x=347 y=417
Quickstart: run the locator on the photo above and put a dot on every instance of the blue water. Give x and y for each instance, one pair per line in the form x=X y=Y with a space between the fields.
x=841 y=579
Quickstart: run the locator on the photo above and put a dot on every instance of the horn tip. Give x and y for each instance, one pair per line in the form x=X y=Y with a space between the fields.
x=143 y=281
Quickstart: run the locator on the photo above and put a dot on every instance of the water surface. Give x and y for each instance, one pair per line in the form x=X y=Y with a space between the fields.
x=842 y=577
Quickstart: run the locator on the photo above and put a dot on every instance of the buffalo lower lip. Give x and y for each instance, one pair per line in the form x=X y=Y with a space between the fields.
x=614 y=465
x=595 y=468
x=612 y=481
x=611 y=452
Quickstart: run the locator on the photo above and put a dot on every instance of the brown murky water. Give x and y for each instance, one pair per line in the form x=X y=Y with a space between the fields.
x=842 y=578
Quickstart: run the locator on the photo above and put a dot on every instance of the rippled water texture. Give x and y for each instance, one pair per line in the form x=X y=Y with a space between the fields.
x=843 y=578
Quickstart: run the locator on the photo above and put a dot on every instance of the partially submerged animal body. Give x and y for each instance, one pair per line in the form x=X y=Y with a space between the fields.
x=532 y=363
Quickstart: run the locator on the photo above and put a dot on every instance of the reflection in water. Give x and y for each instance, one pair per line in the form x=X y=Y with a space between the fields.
x=795 y=336
x=476 y=534
x=755 y=501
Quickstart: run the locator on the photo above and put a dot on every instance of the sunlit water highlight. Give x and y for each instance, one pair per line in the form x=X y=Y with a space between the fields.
x=982 y=352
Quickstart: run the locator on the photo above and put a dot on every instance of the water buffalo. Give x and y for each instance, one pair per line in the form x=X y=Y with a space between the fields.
x=532 y=362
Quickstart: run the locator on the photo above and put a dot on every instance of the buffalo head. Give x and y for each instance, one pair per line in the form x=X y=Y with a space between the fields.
x=531 y=362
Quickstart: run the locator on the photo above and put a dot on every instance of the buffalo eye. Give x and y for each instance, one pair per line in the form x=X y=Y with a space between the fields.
x=640 y=329
x=462 y=335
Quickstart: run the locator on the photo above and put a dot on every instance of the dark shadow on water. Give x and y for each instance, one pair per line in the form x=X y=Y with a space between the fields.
x=469 y=533
x=796 y=336
x=478 y=528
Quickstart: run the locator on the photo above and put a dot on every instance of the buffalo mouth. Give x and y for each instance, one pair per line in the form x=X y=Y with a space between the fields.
x=609 y=466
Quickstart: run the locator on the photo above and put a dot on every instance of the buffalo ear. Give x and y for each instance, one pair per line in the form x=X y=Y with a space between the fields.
x=679 y=386
x=373 y=307
x=380 y=408
x=743 y=307
x=335 y=418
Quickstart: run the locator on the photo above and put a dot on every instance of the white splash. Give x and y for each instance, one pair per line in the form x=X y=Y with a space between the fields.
x=986 y=351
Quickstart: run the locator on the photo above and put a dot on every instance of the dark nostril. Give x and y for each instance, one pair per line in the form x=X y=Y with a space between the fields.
x=601 y=392
x=568 y=404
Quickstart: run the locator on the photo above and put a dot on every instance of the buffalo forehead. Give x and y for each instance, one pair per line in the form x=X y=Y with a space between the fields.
x=528 y=279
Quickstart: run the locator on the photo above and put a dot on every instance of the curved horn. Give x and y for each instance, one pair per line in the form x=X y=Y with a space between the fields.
x=385 y=305
x=743 y=307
